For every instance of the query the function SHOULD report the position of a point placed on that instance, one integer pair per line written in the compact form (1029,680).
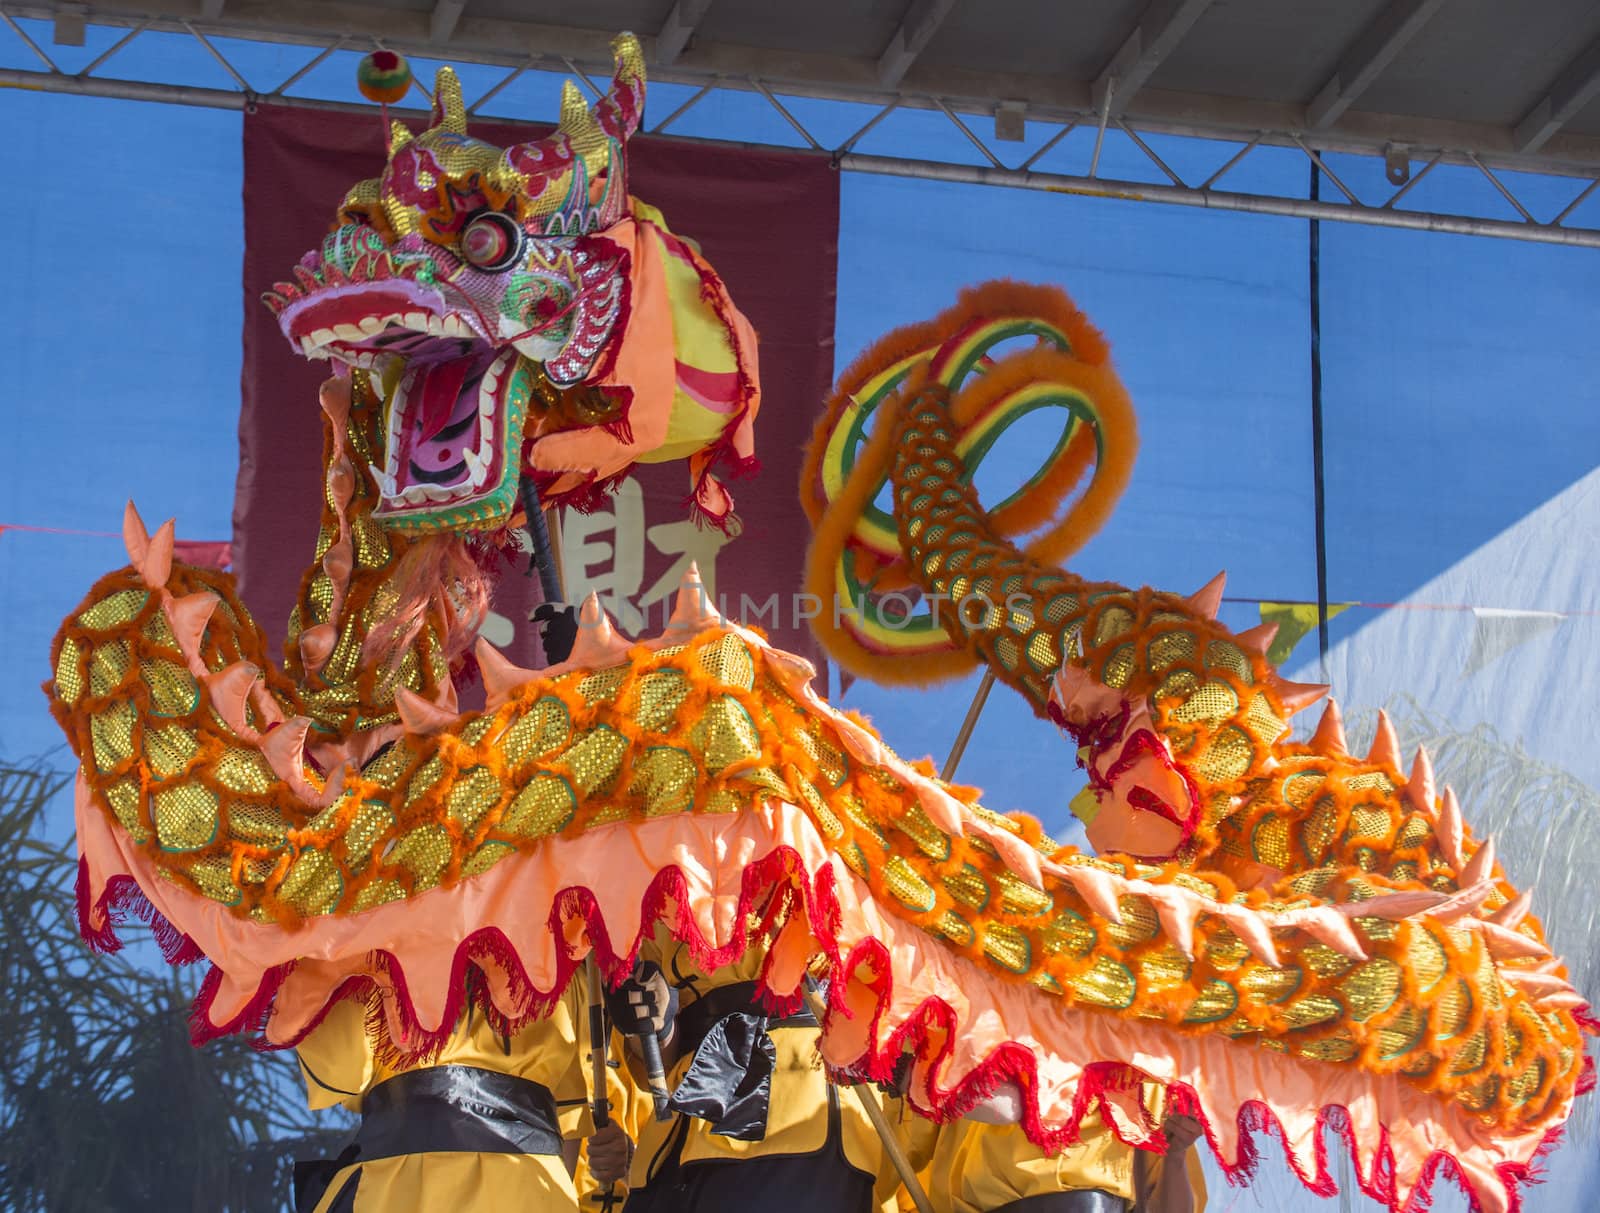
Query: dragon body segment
(1272,929)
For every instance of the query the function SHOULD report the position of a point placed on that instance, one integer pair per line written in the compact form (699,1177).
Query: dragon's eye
(492,241)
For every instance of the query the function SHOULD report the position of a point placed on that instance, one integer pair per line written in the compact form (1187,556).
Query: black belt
(729,1079)
(441,1109)
(1083,1200)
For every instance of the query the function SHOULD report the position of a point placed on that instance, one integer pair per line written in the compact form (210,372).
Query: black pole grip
(650,1050)
(598,1038)
(539,533)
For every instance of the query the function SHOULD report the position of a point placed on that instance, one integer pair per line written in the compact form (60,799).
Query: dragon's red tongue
(436,390)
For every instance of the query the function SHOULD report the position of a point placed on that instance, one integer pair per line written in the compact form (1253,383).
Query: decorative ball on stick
(384,77)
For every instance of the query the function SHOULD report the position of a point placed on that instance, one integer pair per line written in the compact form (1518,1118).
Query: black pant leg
(787,1183)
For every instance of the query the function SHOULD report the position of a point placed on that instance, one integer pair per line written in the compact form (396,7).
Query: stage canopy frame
(1501,89)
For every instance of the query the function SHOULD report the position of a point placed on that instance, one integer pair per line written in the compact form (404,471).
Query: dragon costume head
(495,298)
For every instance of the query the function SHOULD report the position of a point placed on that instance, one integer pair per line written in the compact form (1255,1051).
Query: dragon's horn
(595,137)
(577,123)
(620,113)
(617,114)
(399,136)
(449,112)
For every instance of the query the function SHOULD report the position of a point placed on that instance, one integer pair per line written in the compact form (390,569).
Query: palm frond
(103,1101)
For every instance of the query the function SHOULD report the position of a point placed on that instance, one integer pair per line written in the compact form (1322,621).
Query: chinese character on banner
(604,553)
(633,551)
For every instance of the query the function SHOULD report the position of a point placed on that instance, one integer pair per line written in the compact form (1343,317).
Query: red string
(57,530)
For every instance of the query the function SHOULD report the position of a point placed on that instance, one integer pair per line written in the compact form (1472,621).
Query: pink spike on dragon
(1274,930)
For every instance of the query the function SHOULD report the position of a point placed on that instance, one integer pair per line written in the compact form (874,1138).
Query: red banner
(768,221)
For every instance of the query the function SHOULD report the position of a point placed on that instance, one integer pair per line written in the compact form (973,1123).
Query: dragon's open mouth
(441,444)
(453,402)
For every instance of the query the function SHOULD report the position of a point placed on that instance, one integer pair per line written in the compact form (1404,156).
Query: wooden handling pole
(979,698)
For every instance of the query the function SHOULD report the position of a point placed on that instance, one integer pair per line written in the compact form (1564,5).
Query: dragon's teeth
(371,325)
(323,336)
(349,332)
(490,386)
(476,467)
(417,321)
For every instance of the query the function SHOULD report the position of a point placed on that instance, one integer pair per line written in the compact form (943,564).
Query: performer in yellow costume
(493,1121)
(975,1166)
(758,1124)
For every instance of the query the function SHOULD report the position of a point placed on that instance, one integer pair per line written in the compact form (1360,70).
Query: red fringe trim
(122,902)
(703,518)
(587,498)
(1586,1080)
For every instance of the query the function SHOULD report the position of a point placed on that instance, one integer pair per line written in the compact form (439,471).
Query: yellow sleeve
(568,1076)
(1197,1178)
(631,1105)
(336,1061)
(916,1136)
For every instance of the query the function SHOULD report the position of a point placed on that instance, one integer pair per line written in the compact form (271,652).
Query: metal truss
(1110,117)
